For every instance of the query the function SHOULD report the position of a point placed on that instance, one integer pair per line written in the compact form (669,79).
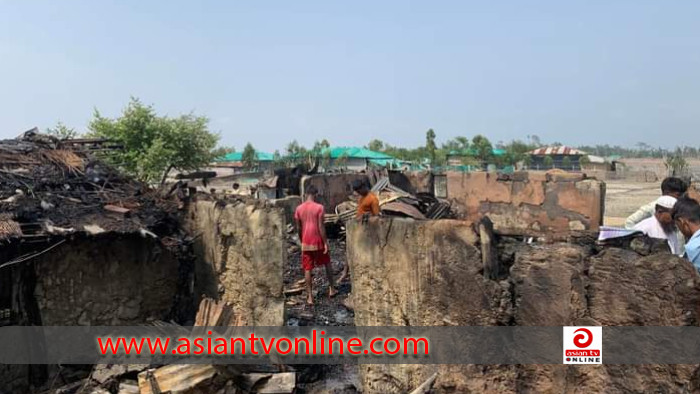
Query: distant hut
(562,157)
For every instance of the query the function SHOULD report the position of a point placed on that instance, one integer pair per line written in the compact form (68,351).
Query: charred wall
(528,203)
(430,273)
(106,280)
(241,250)
(412,181)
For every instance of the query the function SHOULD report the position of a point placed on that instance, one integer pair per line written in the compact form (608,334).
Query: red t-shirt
(309,213)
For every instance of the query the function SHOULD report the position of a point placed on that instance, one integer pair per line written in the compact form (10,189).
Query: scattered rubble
(67,218)
(394,201)
(49,186)
(395,282)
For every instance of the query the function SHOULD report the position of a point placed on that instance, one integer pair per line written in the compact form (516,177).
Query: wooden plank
(173,378)
(265,383)
(214,313)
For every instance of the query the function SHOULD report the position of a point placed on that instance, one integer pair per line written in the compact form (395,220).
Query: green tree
(566,163)
(534,140)
(321,153)
(459,144)
(430,145)
(62,131)
(463,143)
(676,163)
(321,145)
(248,157)
(516,152)
(222,151)
(153,145)
(482,148)
(295,153)
(342,160)
(277,159)
(376,145)
(584,161)
(548,162)
(295,149)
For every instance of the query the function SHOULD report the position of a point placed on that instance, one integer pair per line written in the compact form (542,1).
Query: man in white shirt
(662,226)
(671,186)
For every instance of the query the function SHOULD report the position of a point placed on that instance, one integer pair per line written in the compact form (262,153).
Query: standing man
(314,244)
(674,187)
(686,214)
(368,204)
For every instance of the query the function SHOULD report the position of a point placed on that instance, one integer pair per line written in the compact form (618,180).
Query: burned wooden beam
(197,175)
(489,253)
(177,377)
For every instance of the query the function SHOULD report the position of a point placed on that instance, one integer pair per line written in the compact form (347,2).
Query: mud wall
(430,273)
(289,204)
(107,279)
(528,203)
(241,250)
(333,188)
(412,181)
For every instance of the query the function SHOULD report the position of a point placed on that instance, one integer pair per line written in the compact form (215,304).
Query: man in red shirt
(314,244)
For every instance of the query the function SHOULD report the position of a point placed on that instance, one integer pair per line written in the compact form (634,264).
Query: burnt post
(489,254)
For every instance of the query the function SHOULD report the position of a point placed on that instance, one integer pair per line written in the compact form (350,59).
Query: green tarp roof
(238,156)
(387,162)
(472,152)
(354,153)
(332,152)
(350,153)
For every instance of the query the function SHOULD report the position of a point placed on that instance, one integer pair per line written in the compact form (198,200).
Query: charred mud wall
(333,188)
(427,273)
(241,250)
(528,203)
(412,181)
(106,280)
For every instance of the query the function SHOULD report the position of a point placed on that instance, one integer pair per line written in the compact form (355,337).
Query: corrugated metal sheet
(403,208)
(557,150)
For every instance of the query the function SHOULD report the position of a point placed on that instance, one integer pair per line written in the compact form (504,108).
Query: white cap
(666,202)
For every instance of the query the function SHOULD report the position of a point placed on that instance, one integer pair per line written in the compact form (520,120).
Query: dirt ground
(623,198)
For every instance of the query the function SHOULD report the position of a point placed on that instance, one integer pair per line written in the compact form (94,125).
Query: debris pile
(394,201)
(51,186)
(189,378)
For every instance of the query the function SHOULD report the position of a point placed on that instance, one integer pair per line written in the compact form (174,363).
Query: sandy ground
(623,198)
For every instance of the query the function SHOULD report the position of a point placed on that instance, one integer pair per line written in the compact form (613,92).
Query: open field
(622,198)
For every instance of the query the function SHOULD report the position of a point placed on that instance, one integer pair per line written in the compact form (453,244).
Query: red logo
(580,338)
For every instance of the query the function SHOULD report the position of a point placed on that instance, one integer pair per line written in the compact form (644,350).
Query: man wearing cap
(671,186)
(662,226)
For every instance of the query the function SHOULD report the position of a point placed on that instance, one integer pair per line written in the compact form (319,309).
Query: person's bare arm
(322,230)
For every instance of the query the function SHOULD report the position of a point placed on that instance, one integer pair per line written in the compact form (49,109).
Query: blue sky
(577,72)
